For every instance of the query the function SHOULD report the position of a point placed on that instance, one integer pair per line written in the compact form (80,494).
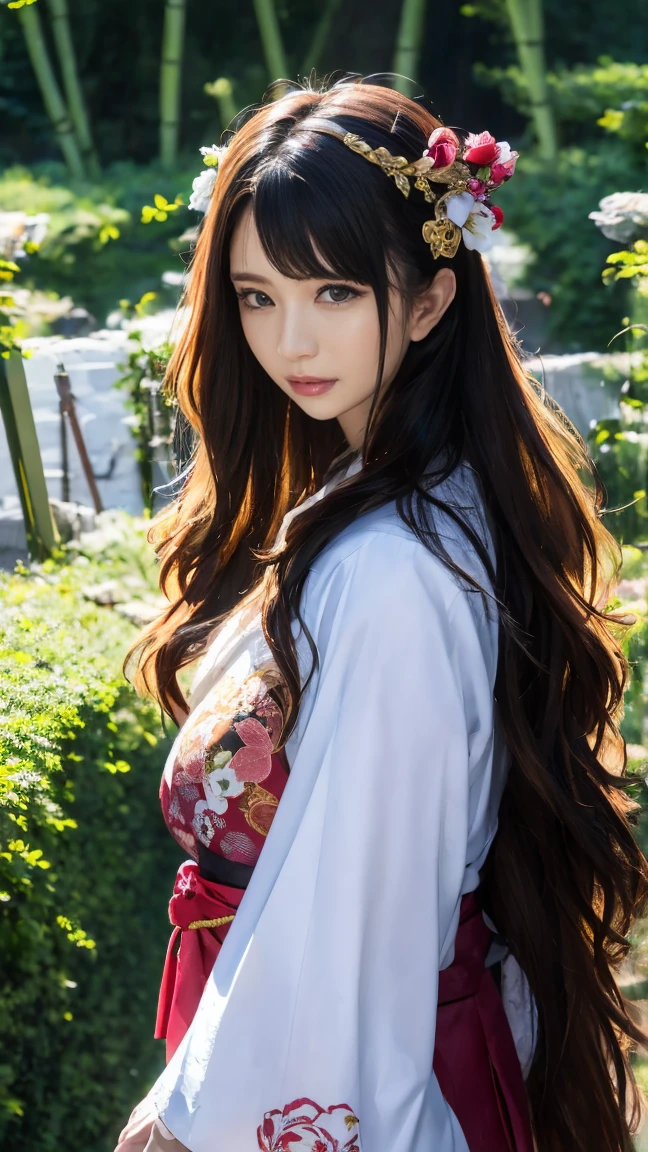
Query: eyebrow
(249,276)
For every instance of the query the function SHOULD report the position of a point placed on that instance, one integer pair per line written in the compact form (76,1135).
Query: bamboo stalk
(527,24)
(270,34)
(409,42)
(50,91)
(62,33)
(16,410)
(312,58)
(173,37)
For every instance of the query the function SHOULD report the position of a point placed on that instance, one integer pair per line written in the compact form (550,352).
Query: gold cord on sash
(211,923)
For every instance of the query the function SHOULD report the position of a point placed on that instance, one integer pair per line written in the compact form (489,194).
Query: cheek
(397,340)
(354,339)
(256,332)
(396,345)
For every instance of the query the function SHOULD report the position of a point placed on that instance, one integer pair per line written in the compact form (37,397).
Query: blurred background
(103,108)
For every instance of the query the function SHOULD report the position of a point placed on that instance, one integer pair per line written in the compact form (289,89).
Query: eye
(339,293)
(261,300)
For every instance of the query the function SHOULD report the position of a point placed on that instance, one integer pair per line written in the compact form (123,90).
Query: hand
(162,1140)
(135,1136)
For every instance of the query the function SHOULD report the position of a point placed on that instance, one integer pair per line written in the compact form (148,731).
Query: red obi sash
(475,1059)
(202,912)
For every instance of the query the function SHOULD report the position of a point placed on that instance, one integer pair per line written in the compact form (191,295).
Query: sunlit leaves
(108,232)
(117,766)
(629,264)
(8,269)
(76,935)
(141,308)
(160,209)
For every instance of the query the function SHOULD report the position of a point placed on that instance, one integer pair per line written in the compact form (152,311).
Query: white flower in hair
(203,185)
(477,222)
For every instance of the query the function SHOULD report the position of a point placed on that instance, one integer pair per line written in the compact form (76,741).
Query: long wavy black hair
(565,877)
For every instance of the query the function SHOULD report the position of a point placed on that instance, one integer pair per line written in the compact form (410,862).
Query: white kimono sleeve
(319,1019)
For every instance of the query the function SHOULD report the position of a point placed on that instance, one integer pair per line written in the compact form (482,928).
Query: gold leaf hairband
(441,234)
(470,169)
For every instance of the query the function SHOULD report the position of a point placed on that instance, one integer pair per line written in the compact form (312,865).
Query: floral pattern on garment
(334,1129)
(212,790)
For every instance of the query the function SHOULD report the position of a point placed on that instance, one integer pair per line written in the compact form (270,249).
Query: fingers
(135,1136)
(162,1140)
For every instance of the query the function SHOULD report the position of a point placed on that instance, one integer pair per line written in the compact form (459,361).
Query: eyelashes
(352,293)
(246,294)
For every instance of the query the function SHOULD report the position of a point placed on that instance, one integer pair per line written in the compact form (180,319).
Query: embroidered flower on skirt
(334,1129)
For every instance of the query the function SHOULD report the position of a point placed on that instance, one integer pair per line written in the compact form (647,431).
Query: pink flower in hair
(442,147)
(481,149)
(504,166)
(477,188)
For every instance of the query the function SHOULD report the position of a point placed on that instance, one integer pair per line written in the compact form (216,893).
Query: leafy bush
(549,211)
(97,249)
(619,445)
(153,414)
(630,597)
(601,112)
(584,96)
(86,864)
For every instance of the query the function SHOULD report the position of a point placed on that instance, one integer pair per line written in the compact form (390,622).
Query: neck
(354,422)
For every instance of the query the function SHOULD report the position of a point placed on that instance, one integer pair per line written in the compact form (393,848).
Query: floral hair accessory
(471,169)
(203,185)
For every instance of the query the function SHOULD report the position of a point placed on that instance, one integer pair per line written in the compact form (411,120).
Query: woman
(400,777)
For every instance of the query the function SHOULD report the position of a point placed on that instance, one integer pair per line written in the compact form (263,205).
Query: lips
(310,385)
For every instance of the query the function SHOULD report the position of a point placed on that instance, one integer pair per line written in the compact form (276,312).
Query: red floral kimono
(206,809)
(332,865)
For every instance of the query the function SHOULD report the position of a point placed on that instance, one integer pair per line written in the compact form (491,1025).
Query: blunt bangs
(317,213)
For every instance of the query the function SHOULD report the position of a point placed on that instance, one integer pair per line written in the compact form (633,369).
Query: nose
(297,339)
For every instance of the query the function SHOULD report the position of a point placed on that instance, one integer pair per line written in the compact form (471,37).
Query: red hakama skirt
(475,1059)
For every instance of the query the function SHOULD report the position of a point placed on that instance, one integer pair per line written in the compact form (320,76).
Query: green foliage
(550,213)
(493,10)
(630,264)
(97,249)
(630,598)
(86,864)
(23,312)
(602,113)
(579,94)
(575,32)
(152,422)
(619,446)
(8,330)
(636,647)
(610,93)
(78,216)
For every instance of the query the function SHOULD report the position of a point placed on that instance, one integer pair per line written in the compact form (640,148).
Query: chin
(319,407)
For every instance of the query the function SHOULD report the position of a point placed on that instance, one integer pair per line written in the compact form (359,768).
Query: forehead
(245,246)
(247,253)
